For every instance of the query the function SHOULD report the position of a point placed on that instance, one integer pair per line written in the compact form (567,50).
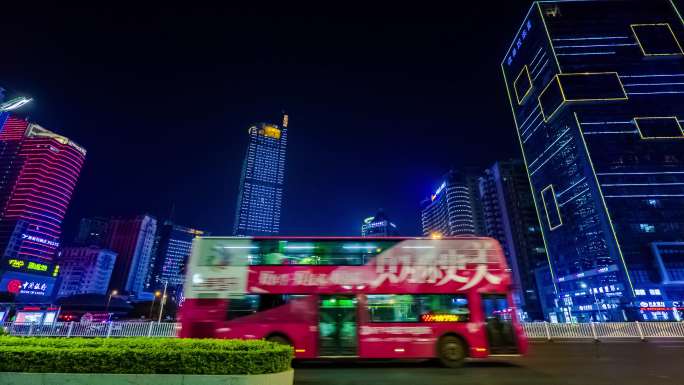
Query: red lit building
(38,174)
(133,240)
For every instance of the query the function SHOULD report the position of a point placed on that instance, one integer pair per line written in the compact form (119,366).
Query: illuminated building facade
(133,240)
(38,174)
(85,270)
(378,226)
(454,208)
(172,250)
(510,217)
(597,93)
(91,231)
(261,183)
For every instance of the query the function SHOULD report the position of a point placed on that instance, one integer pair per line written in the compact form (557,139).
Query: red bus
(355,297)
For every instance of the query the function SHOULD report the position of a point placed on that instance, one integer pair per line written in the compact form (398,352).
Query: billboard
(28,287)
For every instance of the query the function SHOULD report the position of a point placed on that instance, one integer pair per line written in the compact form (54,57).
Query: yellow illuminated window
(522,85)
(271,132)
(659,127)
(656,39)
(553,215)
(580,87)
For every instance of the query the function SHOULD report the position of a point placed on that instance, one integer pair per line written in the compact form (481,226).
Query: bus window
(418,308)
(253,303)
(240,307)
(303,252)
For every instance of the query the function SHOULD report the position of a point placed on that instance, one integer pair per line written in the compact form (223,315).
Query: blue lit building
(261,184)
(510,217)
(597,93)
(454,208)
(172,249)
(378,225)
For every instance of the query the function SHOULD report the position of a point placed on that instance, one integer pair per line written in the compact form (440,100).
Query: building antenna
(285,119)
(172,212)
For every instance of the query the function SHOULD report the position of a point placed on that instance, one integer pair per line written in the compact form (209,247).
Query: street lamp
(114,292)
(156,294)
(163,301)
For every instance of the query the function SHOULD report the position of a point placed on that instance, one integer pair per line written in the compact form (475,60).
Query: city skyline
(344,95)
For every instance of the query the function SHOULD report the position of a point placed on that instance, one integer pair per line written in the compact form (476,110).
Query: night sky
(382,101)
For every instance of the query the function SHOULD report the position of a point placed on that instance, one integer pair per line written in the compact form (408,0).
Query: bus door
(498,318)
(337,325)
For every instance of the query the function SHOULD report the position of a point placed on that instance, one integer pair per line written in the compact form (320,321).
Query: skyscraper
(261,184)
(454,208)
(85,270)
(172,250)
(38,174)
(378,225)
(510,217)
(91,231)
(596,89)
(132,239)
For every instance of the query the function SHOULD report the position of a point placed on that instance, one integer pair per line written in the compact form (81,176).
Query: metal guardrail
(603,330)
(105,329)
(533,330)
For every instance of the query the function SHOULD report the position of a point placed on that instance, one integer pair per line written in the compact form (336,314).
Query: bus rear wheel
(451,351)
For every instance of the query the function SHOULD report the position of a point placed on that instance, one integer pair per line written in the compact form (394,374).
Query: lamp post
(112,293)
(163,301)
(156,294)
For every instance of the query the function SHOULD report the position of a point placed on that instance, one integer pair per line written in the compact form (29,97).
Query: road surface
(559,363)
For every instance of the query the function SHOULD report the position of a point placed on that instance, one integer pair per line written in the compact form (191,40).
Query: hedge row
(142,355)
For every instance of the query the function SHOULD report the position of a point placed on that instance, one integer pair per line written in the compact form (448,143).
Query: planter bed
(142,360)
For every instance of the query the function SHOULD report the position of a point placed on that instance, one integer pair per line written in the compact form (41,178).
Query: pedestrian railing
(94,329)
(533,330)
(603,330)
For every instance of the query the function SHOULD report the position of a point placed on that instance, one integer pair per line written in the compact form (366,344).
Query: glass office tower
(510,218)
(261,184)
(597,92)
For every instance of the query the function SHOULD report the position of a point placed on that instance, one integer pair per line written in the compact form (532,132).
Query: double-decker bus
(355,297)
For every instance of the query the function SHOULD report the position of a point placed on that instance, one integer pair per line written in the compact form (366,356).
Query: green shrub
(142,355)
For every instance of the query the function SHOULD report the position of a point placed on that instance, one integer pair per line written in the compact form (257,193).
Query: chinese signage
(439,190)
(27,287)
(413,265)
(220,270)
(32,267)
(439,318)
(525,30)
(40,240)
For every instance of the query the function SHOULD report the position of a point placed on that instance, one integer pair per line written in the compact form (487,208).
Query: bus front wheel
(278,339)
(451,351)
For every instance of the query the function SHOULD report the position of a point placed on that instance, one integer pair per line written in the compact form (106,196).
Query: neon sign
(517,44)
(27,265)
(439,190)
(17,286)
(37,266)
(16,263)
(40,240)
(439,317)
